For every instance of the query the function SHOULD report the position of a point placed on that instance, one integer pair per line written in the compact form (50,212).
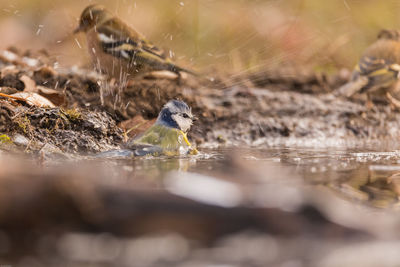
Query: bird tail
(352,87)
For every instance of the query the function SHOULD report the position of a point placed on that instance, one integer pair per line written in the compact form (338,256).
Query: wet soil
(289,106)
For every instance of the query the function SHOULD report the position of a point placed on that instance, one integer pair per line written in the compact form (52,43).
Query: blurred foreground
(212,209)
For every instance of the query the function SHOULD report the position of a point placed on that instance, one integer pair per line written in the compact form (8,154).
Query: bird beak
(194,118)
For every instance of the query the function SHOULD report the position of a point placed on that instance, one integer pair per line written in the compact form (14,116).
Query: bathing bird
(168,135)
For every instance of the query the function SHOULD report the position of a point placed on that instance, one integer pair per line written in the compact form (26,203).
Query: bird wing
(143,150)
(152,136)
(370,74)
(379,67)
(120,40)
(381,72)
(147,143)
(373,66)
(380,63)
(159,139)
(159,135)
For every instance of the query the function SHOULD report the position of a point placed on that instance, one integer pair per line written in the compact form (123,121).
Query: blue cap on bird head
(176,114)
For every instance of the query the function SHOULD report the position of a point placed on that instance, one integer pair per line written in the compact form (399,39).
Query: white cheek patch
(183,123)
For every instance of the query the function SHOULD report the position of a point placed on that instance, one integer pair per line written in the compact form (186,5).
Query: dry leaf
(56,97)
(34,99)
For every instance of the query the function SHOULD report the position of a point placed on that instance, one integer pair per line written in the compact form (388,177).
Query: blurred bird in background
(167,136)
(118,50)
(378,69)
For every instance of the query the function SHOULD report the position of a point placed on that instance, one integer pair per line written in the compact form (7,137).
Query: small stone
(20,140)
(50,149)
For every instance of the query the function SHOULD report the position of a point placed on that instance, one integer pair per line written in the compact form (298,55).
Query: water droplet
(77,42)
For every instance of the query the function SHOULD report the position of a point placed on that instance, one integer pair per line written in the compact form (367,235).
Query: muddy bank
(289,106)
(59,130)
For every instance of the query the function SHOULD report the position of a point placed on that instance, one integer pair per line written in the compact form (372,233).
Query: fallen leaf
(56,97)
(34,99)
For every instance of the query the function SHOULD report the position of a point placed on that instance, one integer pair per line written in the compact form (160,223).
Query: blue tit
(168,135)
(117,49)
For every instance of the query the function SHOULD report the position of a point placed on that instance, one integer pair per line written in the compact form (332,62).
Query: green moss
(5,139)
(221,139)
(70,114)
(23,123)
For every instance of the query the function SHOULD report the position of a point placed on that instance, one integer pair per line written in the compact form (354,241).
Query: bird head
(389,34)
(176,114)
(91,16)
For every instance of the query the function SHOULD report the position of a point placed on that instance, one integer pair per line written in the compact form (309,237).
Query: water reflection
(239,207)
(368,177)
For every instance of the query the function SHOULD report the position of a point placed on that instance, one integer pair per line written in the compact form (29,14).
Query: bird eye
(186,116)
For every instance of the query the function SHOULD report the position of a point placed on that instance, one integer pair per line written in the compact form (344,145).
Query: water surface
(360,176)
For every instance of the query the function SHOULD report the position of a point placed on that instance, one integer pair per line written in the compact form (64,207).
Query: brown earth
(289,106)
